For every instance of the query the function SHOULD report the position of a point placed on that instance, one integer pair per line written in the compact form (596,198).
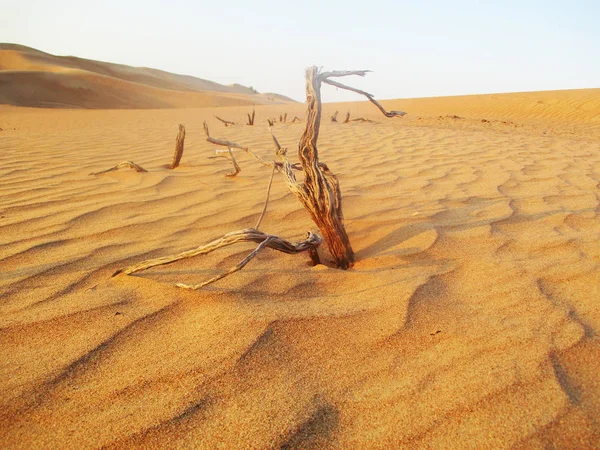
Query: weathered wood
(280,117)
(251,118)
(347,117)
(334,117)
(248,235)
(178,147)
(226,122)
(129,164)
(271,122)
(236,167)
(285,118)
(296,119)
(362,119)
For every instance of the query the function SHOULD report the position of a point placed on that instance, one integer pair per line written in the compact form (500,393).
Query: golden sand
(469,321)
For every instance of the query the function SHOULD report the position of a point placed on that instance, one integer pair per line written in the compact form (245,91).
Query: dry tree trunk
(271,122)
(320,192)
(280,117)
(129,164)
(251,118)
(178,147)
(285,118)
(334,117)
(347,117)
(226,122)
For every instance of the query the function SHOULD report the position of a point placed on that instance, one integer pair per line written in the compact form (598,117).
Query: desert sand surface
(470,319)
(30,77)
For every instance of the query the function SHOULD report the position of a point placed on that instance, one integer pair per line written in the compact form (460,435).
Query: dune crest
(29,77)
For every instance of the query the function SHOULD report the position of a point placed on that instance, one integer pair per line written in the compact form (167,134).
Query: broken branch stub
(347,117)
(178,147)
(334,117)
(226,122)
(251,118)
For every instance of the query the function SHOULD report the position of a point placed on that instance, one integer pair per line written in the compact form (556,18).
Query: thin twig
(234,269)
(267,199)
(129,164)
(236,167)
(366,94)
(226,122)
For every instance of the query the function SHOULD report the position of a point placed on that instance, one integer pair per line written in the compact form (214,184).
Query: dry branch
(334,117)
(129,164)
(358,91)
(236,167)
(229,144)
(280,117)
(296,119)
(312,241)
(251,118)
(285,118)
(362,119)
(271,122)
(178,147)
(347,117)
(226,122)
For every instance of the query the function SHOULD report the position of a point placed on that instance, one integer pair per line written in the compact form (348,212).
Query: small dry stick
(296,118)
(281,117)
(267,199)
(347,117)
(236,167)
(271,122)
(362,119)
(129,164)
(334,117)
(285,118)
(229,144)
(251,118)
(226,122)
(248,235)
(178,147)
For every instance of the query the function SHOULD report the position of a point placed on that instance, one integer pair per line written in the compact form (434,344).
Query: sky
(415,48)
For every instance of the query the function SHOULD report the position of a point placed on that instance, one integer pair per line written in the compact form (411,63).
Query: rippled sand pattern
(469,321)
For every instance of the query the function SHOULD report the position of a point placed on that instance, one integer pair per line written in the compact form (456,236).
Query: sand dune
(29,77)
(469,321)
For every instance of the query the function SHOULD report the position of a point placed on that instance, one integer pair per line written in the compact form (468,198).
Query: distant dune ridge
(30,77)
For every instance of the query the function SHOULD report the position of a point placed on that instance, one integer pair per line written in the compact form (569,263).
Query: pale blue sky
(415,48)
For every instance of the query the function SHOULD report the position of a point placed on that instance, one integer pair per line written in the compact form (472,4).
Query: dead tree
(251,118)
(347,117)
(226,122)
(334,117)
(319,192)
(178,147)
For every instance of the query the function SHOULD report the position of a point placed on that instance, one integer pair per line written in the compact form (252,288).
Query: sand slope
(29,77)
(470,320)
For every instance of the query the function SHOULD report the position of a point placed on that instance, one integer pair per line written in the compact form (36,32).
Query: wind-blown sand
(469,321)
(29,77)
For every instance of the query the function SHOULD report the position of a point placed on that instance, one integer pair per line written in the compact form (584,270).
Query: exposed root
(129,164)
(312,241)
(334,117)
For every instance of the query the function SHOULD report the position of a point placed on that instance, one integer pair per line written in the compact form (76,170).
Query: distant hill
(29,77)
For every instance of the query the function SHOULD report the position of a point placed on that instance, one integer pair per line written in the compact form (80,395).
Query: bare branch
(266,200)
(248,235)
(343,73)
(236,167)
(230,145)
(226,122)
(129,164)
(366,94)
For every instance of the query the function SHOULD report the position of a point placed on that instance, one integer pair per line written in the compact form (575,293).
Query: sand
(29,77)
(469,321)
